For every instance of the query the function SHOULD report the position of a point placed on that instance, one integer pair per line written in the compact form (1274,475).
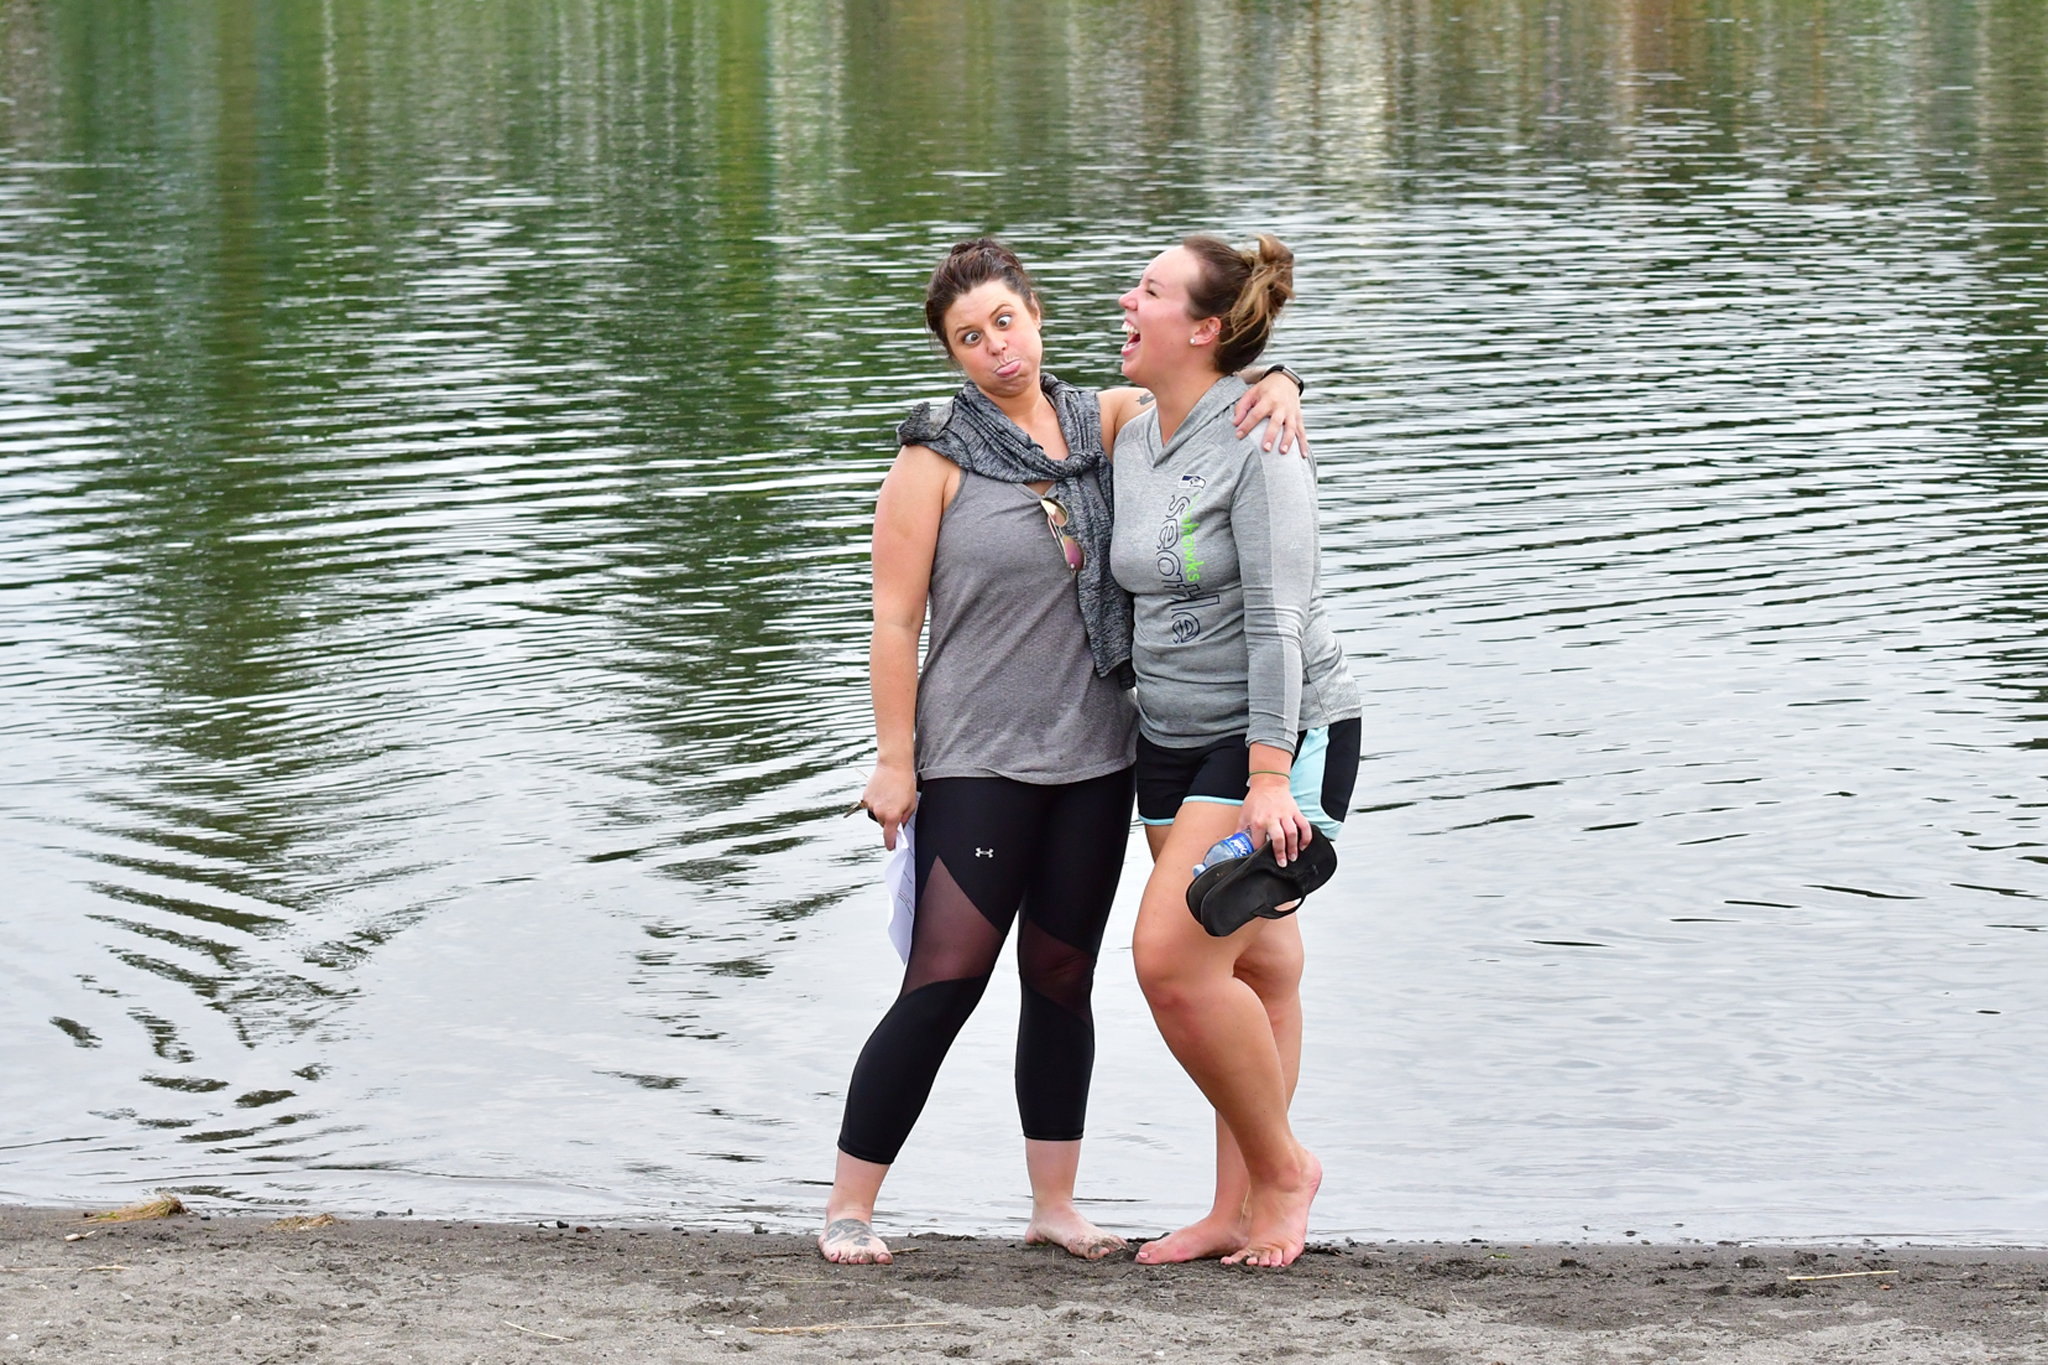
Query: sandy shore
(237,1289)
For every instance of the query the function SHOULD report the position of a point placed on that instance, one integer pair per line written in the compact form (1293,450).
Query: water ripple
(436,455)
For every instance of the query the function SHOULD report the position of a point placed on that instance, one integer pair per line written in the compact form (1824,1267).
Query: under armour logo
(984,853)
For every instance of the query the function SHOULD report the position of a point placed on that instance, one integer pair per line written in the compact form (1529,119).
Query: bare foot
(852,1241)
(1065,1227)
(1214,1236)
(1279,1219)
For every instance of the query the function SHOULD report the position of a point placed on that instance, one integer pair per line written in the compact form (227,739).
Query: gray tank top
(1008,688)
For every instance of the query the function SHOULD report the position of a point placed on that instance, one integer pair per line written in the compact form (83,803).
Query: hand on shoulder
(1270,411)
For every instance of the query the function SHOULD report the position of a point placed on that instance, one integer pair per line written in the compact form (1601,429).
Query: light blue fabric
(1305,780)
(1185,800)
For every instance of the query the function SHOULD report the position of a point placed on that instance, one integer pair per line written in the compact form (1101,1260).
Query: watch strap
(1300,385)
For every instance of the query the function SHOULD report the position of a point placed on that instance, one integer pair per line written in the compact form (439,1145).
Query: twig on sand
(106,1267)
(530,1332)
(823,1327)
(163,1206)
(1843,1275)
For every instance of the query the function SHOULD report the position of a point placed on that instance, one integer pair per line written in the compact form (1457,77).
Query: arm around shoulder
(1274,398)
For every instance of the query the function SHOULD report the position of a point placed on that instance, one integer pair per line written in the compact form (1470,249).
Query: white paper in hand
(899,879)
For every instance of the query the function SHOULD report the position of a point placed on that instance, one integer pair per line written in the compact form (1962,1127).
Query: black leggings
(986,848)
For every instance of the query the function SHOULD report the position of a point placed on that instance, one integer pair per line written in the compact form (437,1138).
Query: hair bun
(1247,289)
(1273,270)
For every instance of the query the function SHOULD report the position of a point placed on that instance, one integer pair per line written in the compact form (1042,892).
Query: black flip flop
(1232,894)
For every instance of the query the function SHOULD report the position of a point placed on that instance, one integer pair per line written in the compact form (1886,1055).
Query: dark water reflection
(436,442)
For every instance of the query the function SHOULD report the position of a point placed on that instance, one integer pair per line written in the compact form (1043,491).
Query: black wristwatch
(1300,385)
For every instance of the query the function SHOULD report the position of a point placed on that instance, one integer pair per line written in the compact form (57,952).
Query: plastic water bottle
(1238,845)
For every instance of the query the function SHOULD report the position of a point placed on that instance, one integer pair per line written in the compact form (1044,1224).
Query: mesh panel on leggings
(950,940)
(1058,971)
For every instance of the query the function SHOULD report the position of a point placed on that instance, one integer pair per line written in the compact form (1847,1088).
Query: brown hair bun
(1246,289)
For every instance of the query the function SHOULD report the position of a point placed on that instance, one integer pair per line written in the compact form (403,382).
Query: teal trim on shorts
(1305,780)
(1185,800)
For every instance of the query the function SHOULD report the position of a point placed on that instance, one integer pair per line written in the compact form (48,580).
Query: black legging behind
(986,848)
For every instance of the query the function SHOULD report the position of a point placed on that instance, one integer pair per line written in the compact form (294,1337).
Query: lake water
(437,441)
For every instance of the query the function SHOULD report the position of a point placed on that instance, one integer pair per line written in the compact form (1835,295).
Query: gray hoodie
(1216,542)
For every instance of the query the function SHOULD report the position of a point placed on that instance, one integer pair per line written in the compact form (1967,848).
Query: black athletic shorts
(1324,772)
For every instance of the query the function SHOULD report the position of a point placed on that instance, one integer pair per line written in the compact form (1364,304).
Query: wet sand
(232,1289)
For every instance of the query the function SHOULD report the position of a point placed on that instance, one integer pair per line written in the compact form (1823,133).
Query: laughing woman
(1248,718)
(1014,747)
